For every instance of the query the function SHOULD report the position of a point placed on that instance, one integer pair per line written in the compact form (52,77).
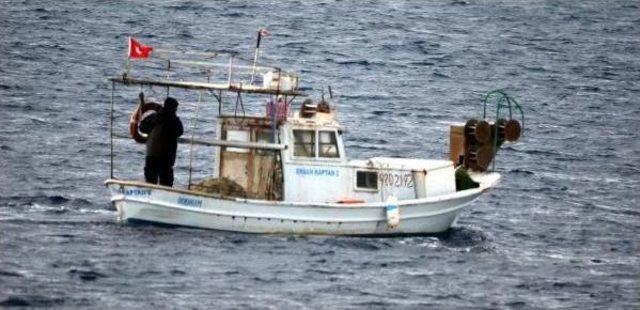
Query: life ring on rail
(141,112)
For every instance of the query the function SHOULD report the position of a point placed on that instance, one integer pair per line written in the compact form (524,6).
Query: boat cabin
(303,159)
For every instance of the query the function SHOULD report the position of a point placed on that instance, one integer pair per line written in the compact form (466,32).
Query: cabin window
(264,136)
(304,143)
(238,135)
(367,180)
(328,144)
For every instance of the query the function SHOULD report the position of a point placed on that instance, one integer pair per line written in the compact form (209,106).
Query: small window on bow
(367,180)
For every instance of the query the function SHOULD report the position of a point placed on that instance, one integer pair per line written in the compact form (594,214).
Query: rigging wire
(193,133)
(113,87)
(239,102)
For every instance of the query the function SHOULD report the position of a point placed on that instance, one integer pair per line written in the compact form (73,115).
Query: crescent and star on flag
(138,50)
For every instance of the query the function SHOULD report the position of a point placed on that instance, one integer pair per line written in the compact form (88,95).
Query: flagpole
(255,57)
(136,50)
(128,65)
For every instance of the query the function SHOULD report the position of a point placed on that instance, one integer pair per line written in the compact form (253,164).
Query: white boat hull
(147,202)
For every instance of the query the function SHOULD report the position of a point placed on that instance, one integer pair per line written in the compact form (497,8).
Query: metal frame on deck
(230,87)
(216,90)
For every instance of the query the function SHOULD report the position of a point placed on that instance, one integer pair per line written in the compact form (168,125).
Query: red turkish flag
(139,50)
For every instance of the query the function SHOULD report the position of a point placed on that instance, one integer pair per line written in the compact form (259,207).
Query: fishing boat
(290,167)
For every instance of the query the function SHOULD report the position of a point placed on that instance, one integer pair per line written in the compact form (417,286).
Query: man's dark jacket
(165,128)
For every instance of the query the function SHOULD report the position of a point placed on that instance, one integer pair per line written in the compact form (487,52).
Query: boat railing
(224,143)
(215,71)
(231,87)
(208,73)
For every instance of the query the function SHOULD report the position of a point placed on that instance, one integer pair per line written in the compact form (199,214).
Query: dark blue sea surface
(560,231)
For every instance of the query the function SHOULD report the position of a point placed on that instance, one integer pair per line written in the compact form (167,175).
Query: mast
(262,32)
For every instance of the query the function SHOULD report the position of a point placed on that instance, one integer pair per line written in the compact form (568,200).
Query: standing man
(165,128)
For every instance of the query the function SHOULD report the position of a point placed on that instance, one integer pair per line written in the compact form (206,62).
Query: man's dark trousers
(155,169)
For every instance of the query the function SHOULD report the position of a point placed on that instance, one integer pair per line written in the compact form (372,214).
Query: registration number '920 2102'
(392,179)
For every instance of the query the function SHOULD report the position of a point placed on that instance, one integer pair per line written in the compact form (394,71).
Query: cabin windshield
(328,144)
(304,143)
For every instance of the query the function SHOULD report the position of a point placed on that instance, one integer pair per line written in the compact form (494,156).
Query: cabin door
(257,171)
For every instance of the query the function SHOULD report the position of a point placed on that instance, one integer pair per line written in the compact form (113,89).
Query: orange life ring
(142,111)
